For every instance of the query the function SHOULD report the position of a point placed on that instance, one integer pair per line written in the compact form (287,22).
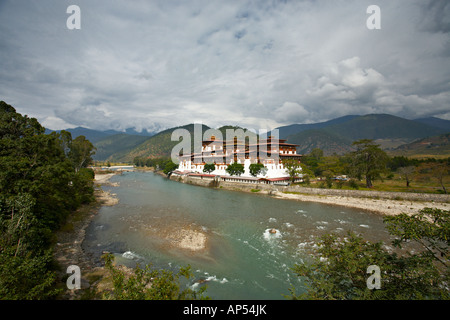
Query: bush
(353,184)
(149,284)
(235,169)
(340,269)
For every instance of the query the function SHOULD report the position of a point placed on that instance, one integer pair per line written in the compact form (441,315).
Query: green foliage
(40,184)
(353,184)
(158,146)
(27,277)
(114,146)
(235,169)
(169,167)
(293,168)
(397,162)
(157,163)
(430,227)
(257,168)
(150,284)
(209,167)
(165,164)
(368,161)
(81,152)
(341,271)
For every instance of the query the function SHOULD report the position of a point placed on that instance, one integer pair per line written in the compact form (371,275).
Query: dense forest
(43,179)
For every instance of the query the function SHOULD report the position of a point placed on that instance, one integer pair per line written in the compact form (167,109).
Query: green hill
(116,143)
(333,136)
(159,145)
(318,138)
(430,146)
(382,126)
(436,122)
(337,135)
(286,131)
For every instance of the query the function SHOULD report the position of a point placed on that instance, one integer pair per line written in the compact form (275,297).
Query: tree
(235,169)
(39,188)
(340,269)
(368,160)
(81,152)
(293,168)
(317,153)
(430,228)
(169,167)
(209,167)
(257,168)
(435,169)
(149,284)
(407,172)
(440,171)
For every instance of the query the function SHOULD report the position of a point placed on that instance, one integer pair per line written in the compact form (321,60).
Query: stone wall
(248,187)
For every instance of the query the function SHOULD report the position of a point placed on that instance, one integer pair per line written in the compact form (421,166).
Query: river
(242,258)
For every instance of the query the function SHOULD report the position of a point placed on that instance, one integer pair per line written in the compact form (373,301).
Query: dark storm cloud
(260,64)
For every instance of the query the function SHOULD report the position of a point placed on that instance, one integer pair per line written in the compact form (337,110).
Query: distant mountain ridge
(337,135)
(333,136)
(430,146)
(97,135)
(288,130)
(436,122)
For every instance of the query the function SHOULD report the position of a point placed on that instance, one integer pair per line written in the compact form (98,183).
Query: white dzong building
(270,152)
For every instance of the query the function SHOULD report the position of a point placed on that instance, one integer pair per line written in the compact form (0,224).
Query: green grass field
(395,184)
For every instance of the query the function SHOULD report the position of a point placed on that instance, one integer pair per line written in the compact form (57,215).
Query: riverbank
(68,250)
(95,279)
(381,206)
(385,203)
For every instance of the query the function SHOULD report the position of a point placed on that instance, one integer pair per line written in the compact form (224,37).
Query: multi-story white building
(270,152)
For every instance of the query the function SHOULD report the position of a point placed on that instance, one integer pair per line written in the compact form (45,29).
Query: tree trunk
(368,182)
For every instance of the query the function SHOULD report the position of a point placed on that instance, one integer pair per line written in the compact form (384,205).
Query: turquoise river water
(242,259)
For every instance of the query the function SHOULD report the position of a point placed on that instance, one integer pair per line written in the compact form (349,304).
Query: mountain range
(394,134)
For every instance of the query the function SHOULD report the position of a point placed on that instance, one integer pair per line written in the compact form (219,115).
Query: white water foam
(270,236)
(131,255)
(209,278)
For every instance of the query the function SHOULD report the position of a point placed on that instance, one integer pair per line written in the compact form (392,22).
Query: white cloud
(290,110)
(165,63)
(55,123)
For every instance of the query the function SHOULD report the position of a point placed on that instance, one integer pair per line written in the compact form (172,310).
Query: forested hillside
(43,179)
(336,136)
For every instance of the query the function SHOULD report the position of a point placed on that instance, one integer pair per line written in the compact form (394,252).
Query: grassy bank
(394,184)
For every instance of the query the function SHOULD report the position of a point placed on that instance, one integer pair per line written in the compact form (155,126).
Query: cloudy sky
(259,64)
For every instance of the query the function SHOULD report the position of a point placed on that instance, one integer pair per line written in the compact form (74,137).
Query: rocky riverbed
(68,250)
